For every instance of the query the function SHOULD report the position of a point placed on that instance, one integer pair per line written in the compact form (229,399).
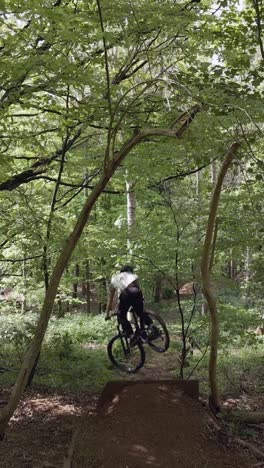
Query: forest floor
(151,425)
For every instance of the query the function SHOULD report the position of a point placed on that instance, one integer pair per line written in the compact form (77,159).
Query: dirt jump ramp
(146,424)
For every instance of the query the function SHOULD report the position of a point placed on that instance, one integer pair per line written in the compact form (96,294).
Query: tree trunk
(131,212)
(157,289)
(76,282)
(131,204)
(208,289)
(204,307)
(69,245)
(24,291)
(213,173)
(102,295)
(87,287)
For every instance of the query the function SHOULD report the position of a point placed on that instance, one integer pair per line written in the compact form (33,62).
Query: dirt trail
(157,366)
(152,425)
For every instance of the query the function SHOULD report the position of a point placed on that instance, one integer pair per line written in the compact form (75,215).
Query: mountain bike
(130,358)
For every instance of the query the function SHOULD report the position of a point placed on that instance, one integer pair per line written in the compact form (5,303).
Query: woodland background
(172,86)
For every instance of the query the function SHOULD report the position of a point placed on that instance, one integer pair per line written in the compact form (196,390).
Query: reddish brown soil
(153,425)
(150,426)
(41,430)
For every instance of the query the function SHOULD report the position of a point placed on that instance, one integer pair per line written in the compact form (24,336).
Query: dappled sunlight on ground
(152,424)
(41,429)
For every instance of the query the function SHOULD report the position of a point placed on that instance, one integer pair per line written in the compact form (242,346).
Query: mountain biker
(130,295)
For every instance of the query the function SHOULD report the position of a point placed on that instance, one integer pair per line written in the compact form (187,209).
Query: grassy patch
(238,370)
(66,360)
(79,369)
(74,354)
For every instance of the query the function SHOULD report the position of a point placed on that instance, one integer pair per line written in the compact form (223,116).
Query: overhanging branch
(37,168)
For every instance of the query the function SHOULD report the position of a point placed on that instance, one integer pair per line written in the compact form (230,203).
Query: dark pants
(132,297)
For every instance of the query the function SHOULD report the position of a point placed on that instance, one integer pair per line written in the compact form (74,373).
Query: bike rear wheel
(123,357)
(158,330)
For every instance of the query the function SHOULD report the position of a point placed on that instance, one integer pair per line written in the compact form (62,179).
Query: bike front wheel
(123,357)
(158,338)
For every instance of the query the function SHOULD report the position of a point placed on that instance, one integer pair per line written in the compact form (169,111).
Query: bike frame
(123,338)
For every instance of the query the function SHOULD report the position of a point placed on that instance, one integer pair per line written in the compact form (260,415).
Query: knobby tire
(158,346)
(136,350)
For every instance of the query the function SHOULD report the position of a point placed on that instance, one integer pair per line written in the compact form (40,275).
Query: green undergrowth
(239,370)
(241,353)
(77,370)
(73,354)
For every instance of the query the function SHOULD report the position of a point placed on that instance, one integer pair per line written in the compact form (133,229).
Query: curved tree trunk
(206,265)
(109,170)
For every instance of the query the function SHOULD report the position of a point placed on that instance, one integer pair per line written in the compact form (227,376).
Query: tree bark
(66,253)
(76,282)
(131,212)
(131,204)
(87,287)
(157,289)
(207,285)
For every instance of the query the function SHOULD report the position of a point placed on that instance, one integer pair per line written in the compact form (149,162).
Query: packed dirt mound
(152,425)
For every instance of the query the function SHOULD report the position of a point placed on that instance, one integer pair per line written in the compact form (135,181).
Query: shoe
(133,339)
(153,332)
(144,337)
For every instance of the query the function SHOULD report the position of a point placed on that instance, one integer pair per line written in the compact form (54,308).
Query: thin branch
(83,185)
(4,243)
(124,75)
(37,168)
(185,174)
(197,364)
(107,155)
(77,186)
(71,198)
(19,260)
(124,113)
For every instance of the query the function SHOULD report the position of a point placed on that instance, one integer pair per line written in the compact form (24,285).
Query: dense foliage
(80,79)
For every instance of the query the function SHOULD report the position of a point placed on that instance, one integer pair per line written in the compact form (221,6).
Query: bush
(80,328)
(65,361)
(17,330)
(167,293)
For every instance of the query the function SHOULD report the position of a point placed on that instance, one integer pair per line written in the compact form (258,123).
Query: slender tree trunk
(69,245)
(76,282)
(157,289)
(60,308)
(103,302)
(131,212)
(67,297)
(247,274)
(131,204)
(208,289)
(203,310)
(213,173)
(46,246)
(87,287)
(204,306)
(24,291)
